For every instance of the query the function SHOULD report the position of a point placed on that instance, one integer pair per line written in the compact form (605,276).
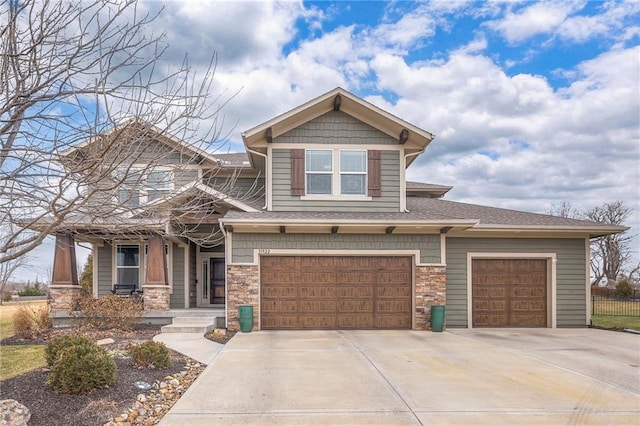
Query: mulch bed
(100,406)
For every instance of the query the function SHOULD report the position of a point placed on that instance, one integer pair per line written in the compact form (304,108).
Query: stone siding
(430,290)
(243,288)
(156,298)
(62,298)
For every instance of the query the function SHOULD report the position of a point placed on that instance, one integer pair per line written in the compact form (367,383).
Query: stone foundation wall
(243,288)
(62,297)
(156,298)
(430,290)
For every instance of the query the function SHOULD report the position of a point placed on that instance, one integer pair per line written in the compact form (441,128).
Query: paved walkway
(193,345)
(492,377)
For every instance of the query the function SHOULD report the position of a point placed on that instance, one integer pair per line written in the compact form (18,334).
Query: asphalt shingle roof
(427,209)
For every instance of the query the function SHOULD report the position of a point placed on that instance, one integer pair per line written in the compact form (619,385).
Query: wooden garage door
(509,292)
(322,292)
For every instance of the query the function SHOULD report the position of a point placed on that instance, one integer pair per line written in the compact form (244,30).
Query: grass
(630,308)
(15,360)
(611,322)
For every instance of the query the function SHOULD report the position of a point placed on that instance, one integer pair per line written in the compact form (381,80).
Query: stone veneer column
(430,290)
(64,281)
(157,293)
(243,282)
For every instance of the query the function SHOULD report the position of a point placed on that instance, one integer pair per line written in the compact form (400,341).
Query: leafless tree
(77,71)
(610,254)
(564,209)
(7,269)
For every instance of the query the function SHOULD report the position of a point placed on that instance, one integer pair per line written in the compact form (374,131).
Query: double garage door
(509,292)
(332,292)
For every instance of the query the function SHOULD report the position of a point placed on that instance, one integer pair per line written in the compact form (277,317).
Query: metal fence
(615,306)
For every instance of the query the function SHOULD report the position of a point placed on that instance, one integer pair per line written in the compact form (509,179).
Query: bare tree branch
(89,118)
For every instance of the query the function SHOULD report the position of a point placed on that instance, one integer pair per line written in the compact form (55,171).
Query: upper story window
(353,172)
(138,186)
(349,174)
(319,171)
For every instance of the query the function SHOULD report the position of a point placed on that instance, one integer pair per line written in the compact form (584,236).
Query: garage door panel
(318,306)
(338,292)
(360,306)
(359,321)
(319,291)
(509,292)
(392,321)
(317,321)
(359,292)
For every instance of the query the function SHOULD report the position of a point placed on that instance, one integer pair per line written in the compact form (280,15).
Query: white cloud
(536,18)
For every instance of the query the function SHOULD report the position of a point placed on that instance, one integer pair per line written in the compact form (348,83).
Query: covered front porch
(171,277)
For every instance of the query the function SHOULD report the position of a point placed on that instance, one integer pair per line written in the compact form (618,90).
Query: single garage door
(329,292)
(509,292)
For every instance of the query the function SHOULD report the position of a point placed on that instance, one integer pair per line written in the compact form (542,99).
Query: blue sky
(532,103)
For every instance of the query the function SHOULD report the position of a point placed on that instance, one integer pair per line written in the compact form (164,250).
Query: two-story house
(316,227)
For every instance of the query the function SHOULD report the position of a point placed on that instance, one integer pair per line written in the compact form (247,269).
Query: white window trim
(114,273)
(336,195)
(365,173)
(552,317)
(143,262)
(143,191)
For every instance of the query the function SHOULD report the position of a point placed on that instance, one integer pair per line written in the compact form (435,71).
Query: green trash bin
(246,318)
(437,318)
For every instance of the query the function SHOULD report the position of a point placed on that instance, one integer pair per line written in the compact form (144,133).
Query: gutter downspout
(406,210)
(226,259)
(267,177)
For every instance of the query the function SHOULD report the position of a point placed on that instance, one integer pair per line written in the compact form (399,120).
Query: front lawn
(15,360)
(616,322)
(18,359)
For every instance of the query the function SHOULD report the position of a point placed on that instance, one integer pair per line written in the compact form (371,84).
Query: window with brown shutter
(374,167)
(297,172)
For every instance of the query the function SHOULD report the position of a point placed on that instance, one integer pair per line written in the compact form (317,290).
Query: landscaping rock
(13,413)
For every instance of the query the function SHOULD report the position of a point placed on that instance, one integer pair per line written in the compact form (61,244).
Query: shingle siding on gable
(336,127)
(570,274)
(389,201)
(428,244)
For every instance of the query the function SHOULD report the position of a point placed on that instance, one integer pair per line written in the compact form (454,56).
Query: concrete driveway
(506,376)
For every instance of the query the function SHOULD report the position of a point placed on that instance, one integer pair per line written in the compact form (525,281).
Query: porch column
(156,285)
(64,281)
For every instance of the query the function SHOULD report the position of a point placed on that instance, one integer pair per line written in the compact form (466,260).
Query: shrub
(111,312)
(151,354)
(31,321)
(22,320)
(79,369)
(624,288)
(56,345)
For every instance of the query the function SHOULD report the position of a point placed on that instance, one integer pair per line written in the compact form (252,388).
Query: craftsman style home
(316,227)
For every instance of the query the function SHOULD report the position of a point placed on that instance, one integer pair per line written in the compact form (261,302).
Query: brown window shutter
(374,171)
(297,172)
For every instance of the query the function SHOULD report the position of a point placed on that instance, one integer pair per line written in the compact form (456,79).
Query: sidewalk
(193,345)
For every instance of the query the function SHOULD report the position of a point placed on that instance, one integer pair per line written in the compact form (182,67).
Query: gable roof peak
(412,137)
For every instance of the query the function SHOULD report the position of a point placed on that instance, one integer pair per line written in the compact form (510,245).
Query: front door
(211,281)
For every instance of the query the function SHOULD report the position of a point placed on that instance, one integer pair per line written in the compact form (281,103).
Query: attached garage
(509,292)
(336,292)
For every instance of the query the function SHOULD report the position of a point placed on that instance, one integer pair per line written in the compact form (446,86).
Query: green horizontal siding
(389,201)
(570,274)
(177,265)
(104,269)
(245,244)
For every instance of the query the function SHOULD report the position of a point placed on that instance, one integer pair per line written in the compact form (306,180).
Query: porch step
(190,325)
